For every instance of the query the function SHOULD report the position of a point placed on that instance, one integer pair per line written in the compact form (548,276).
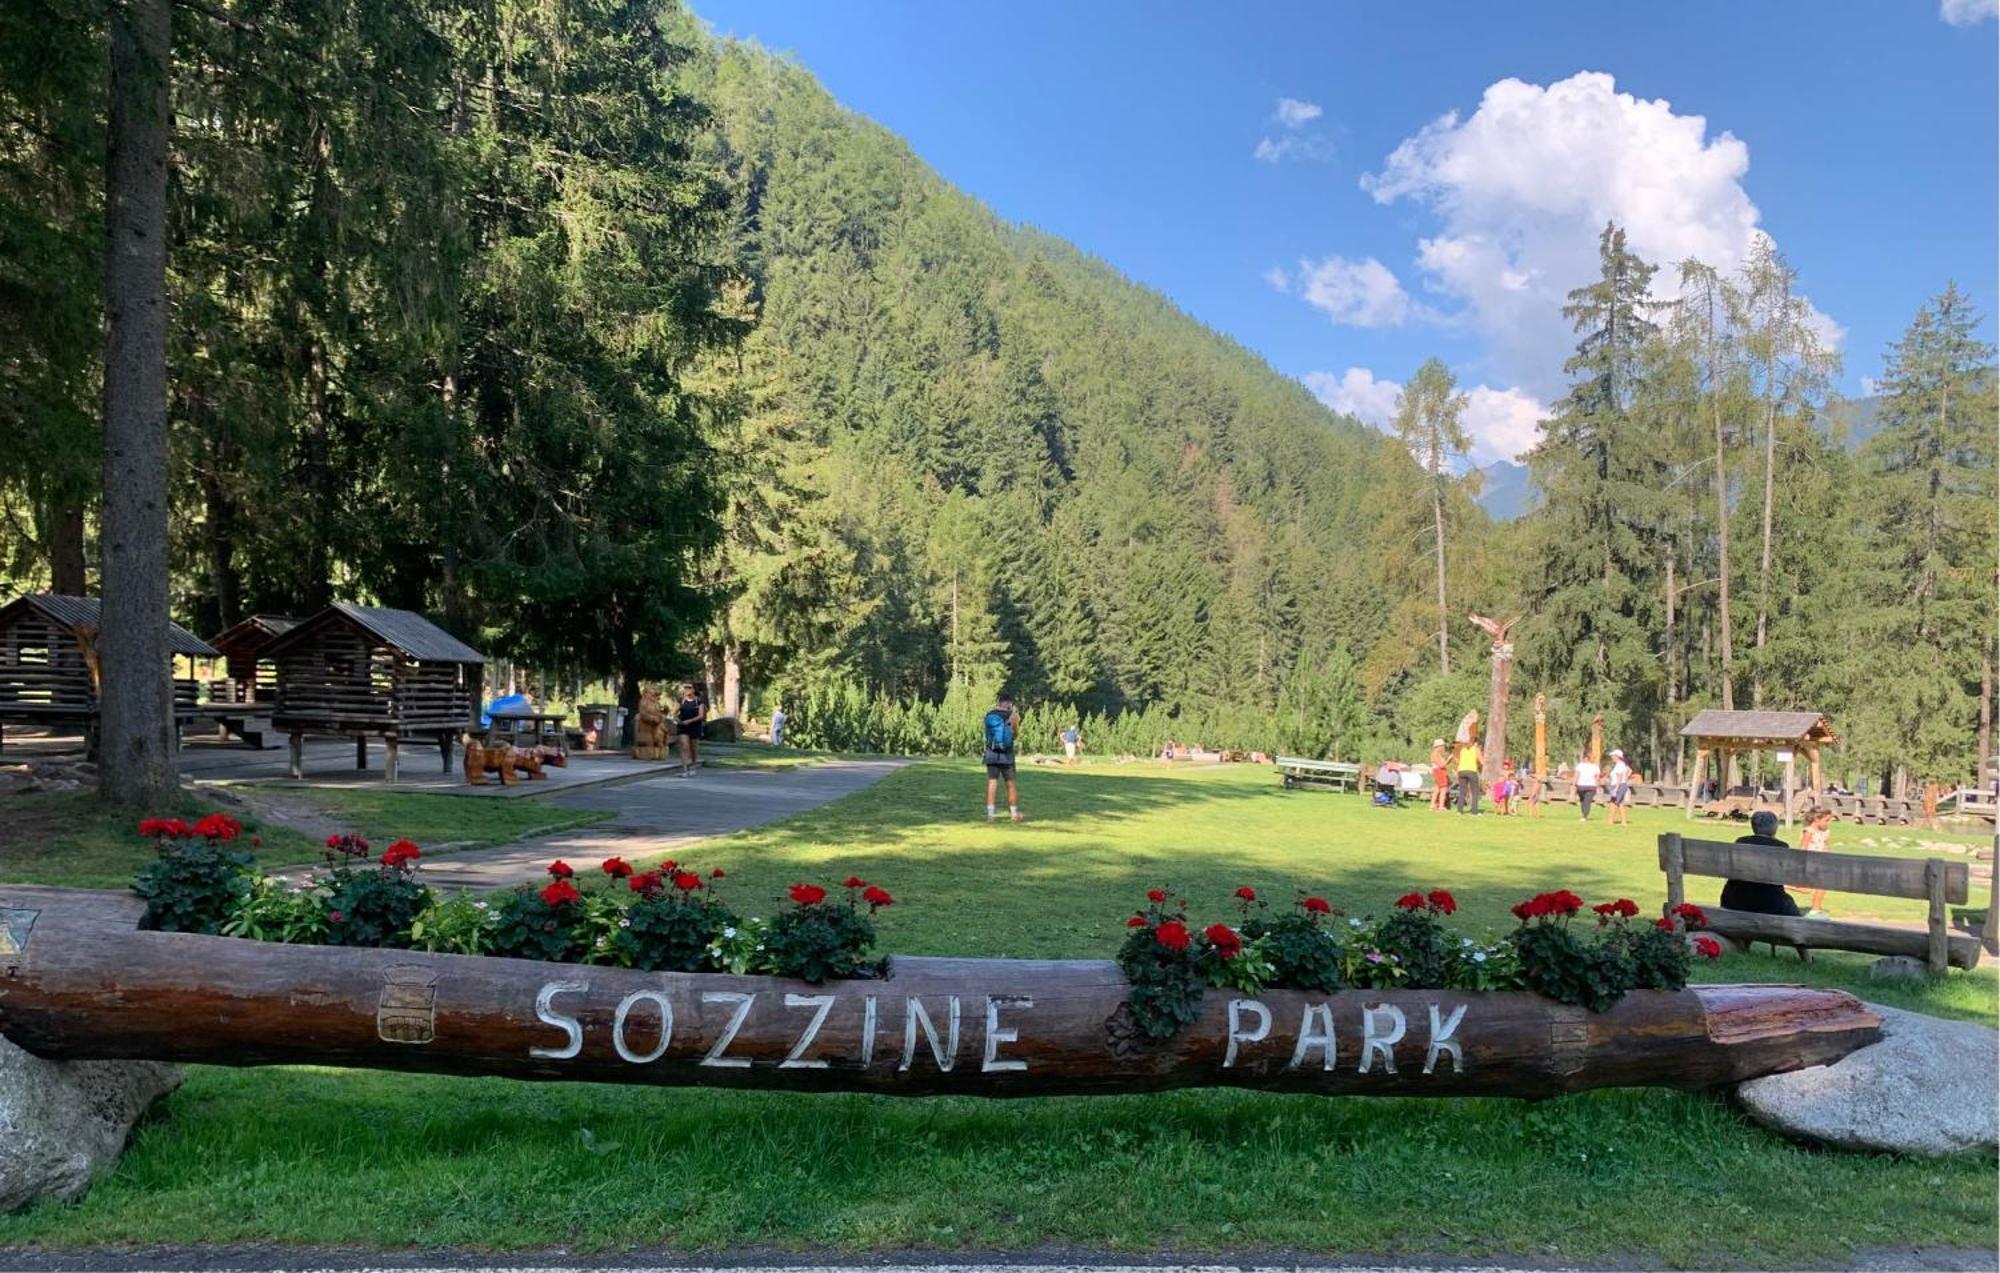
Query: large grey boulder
(1927,1088)
(65,1121)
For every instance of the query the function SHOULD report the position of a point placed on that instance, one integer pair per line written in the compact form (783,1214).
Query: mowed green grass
(72,838)
(329,1157)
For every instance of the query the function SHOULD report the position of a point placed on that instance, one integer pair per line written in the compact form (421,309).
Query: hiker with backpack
(1000,726)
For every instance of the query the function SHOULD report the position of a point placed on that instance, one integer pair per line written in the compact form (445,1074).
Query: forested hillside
(1048,476)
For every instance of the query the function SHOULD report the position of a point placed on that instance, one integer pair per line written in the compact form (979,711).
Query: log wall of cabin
(42,670)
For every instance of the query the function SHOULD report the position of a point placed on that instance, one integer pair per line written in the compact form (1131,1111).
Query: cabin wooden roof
(1759,727)
(254,631)
(408,632)
(81,614)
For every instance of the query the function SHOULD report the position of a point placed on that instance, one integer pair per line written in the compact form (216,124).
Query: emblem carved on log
(407,1010)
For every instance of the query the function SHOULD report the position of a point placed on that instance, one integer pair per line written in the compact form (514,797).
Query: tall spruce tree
(1430,423)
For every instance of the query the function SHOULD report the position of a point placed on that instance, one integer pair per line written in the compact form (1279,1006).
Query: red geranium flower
(1441,902)
(686,881)
(218,826)
(1691,913)
(1623,908)
(618,868)
(808,894)
(1227,942)
(1156,895)
(1317,906)
(1173,935)
(1564,902)
(1664,924)
(1410,902)
(716,874)
(400,852)
(1708,947)
(669,865)
(1137,921)
(560,893)
(877,897)
(1247,893)
(646,883)
(336,916)
(854,881)
(560,869)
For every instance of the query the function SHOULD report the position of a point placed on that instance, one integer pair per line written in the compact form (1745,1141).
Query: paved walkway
(658,814)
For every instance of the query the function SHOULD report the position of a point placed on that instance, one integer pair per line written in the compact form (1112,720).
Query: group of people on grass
(1456,784)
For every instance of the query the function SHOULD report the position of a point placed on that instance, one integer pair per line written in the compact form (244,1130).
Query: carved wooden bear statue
(649,728)
(481,760)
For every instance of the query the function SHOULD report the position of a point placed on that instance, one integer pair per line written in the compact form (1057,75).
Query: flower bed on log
(674,918)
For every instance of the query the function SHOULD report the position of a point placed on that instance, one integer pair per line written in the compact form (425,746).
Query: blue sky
(1372,231)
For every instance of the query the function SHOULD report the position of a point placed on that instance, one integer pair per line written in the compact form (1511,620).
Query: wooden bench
(1934,879)
(1337,775)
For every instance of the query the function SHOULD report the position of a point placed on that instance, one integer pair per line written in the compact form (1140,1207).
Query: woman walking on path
(688,719)
(1586,783)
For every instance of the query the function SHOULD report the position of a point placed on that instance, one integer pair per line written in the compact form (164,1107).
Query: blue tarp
(510,703)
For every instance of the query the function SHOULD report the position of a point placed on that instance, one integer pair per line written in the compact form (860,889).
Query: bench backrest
(1841,872)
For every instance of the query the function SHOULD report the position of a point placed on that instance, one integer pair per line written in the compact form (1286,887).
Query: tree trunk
(1764,557)
(67,567)
(135,709)
(1444,626)
(732,682)
(1985,713)
(221,529)
(1722,566)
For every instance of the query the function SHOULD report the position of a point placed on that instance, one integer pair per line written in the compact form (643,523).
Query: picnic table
(1339,775)
(528,729)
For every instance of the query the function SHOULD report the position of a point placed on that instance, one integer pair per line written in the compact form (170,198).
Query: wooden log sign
(79,979)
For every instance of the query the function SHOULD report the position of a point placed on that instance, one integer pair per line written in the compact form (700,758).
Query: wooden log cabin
(241,698)
(48,663)
(367,671)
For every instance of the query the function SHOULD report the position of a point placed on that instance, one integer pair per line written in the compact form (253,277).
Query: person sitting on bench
(1759,898)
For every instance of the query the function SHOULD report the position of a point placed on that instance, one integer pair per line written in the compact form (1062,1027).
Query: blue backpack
(999,733)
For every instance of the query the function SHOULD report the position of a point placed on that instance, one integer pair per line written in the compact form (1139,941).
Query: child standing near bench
(1817,838)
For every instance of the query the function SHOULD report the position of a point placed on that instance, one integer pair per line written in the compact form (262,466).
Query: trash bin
(607,719)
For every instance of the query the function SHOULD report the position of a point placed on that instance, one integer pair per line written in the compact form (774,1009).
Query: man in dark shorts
(1000,727)
(689,716)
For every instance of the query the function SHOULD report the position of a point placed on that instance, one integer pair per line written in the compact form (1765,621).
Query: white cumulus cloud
(1502,423)
(1523,185)
(1357,393)
(1361,293)
(1279,280)
(1293,113)
(1968,13)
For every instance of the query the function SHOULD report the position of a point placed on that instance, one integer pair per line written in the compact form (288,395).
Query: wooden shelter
(48,661)
(367,670)
(249,677)
(1723,734)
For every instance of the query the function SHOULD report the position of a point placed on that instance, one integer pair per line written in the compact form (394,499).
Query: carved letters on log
(86,983)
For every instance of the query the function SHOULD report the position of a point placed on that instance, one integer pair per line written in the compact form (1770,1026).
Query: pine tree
(1429,422)
(1926,606)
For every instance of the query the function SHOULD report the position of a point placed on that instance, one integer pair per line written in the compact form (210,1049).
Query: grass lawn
(72,838)
(326,1157)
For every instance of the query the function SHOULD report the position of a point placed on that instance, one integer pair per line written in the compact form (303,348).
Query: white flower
(1354,921)
(1479,958)
(480,905)
(729,932)
(1465,941)
(624,923)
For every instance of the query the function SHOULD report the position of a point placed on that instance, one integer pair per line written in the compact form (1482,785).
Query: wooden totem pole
(1542,736)
(1495,746)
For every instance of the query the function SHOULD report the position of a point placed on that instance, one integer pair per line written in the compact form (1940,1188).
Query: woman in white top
(1618,791)
(1586,783)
